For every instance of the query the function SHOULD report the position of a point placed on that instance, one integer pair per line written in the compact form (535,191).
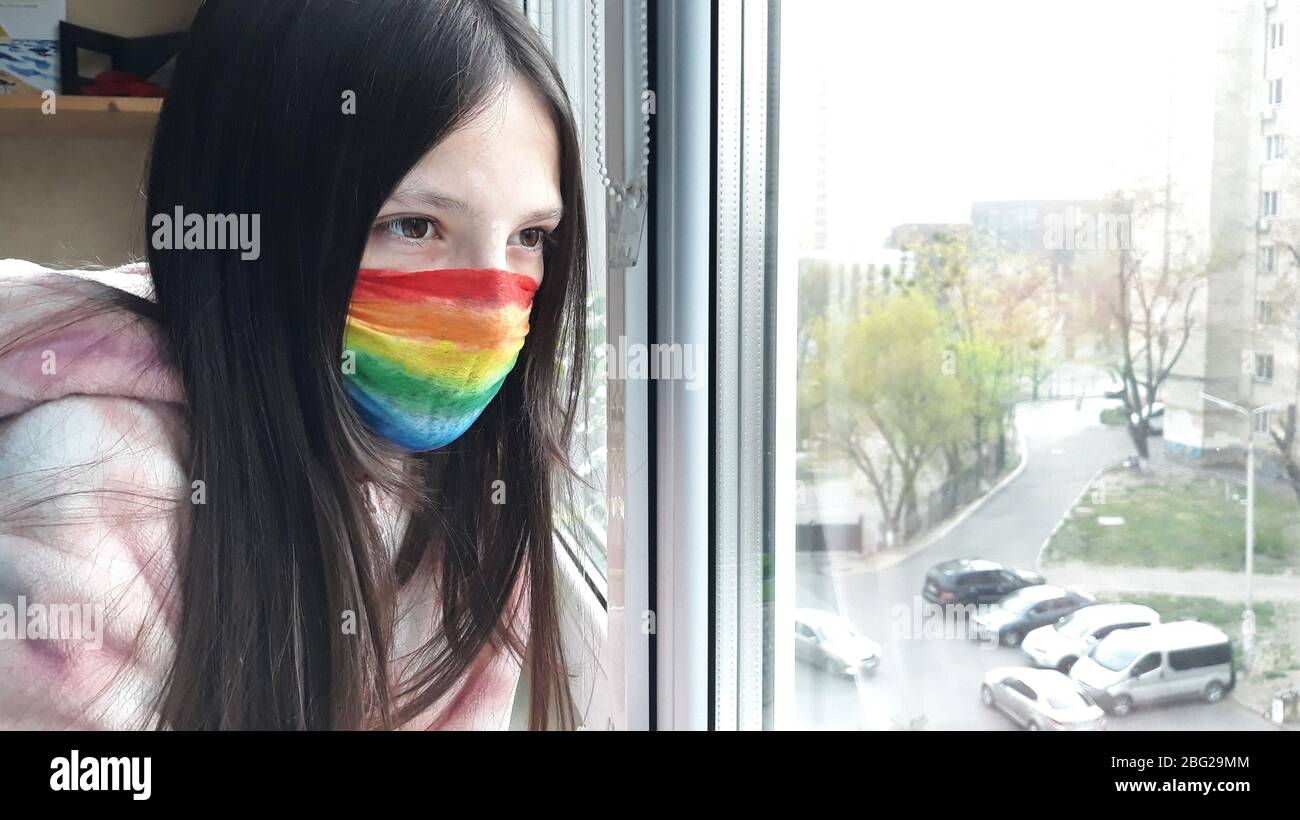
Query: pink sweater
(90,428)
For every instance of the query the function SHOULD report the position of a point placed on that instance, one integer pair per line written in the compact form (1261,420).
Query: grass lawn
(1274,624)
(1180,524)
(1223,614)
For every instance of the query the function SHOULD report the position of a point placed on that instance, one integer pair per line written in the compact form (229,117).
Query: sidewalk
(1226,586)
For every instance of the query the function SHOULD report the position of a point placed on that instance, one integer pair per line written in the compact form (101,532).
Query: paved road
(933,683)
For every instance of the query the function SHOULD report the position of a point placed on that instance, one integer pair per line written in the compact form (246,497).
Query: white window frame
(1275,91)
(603,613)
(681,271)
(739,403)
(754,408)
(711,664)
(1271,204)
(631,612)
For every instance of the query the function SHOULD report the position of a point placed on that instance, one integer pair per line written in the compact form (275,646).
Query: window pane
(567,30)
(1044,297)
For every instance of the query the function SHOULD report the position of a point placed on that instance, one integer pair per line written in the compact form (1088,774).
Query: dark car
(1023,611)
(974,581)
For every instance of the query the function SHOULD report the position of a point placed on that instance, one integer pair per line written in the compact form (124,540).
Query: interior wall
(133,18)
(73,201)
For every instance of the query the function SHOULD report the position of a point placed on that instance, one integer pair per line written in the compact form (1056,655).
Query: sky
(932,105)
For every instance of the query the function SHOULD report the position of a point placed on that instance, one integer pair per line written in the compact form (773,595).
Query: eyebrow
(415,196)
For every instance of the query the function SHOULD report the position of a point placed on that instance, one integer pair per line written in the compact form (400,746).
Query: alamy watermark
(1084,230)
(677,361)
(60,622)
(213,232)
(926,621)
(75,773)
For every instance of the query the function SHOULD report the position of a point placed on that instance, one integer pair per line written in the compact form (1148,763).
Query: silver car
(1059,645)
(1041,699)
(829,641)
(1137,667)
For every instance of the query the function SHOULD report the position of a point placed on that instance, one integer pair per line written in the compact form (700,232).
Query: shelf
(21,116)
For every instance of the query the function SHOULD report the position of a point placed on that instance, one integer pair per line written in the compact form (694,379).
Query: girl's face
(487,196)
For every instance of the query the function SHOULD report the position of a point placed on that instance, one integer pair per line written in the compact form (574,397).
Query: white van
(1138,667)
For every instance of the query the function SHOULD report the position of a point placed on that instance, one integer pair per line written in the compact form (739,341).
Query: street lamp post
(1247,615)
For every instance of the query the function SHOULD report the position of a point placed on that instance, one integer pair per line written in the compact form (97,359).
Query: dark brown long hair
(287,544)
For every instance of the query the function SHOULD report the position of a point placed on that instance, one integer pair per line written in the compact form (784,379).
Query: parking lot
(934,683)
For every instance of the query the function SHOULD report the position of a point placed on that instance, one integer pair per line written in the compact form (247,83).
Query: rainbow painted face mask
(432,348)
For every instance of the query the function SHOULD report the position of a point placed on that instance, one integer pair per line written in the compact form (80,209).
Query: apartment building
(1245,347)
(847,284)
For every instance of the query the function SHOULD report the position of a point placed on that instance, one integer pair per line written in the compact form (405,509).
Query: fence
(953,494)
(934,507)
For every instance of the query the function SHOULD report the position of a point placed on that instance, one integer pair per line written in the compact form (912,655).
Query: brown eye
(532,237)
(410,227)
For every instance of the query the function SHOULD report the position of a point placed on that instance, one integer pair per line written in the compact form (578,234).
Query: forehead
(504,158)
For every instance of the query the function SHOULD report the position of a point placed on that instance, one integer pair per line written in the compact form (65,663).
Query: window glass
(835,631)
(1200,657)
(1020,604)
(1115,653)
(1031,335)
(568,31)
(1147,664)
(1072,626)
(1066,700)
(1020,688)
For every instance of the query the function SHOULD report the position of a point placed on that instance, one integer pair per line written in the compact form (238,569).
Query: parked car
(830,642)
(1137,667)
(1059,645)
(1156,421)
(1041,699)
(1023,611)
(974,581)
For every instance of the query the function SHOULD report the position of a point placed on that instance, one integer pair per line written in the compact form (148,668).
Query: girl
(308,486)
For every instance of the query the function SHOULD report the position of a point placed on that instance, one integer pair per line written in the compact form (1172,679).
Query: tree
(986,368)
(1152,310)
(813,302)
(994,304)
(878,391)
(1037,363)
(1281,288)
(1285,439)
